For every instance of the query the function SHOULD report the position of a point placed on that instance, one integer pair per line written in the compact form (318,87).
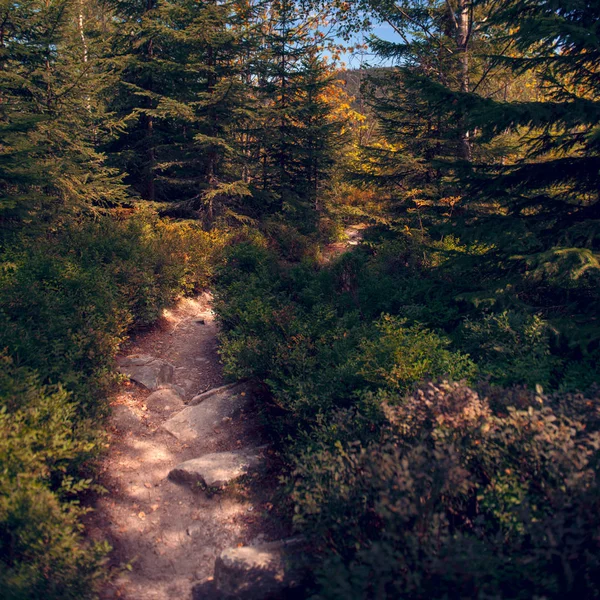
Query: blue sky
(383,31)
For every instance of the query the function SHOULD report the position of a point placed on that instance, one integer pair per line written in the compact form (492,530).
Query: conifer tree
(184,99)
(50,114)
(530,194)
(297,137)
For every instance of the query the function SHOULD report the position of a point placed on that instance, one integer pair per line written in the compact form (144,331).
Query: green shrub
(512,347)
(400,356)
(67,301)
(299,330)
(62,318)
(443,493)
(453,500)
(43,444)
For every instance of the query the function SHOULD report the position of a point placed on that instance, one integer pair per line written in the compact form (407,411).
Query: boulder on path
(218,469)
(147,370)
(258,572)
(199,421)
(123,418)
(164,400)
(239,387)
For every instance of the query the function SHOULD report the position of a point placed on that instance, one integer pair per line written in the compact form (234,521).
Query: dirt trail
(353,236)
(166,536)
(170,534)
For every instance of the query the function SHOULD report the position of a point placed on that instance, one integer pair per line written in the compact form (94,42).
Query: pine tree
(50,116)
(183,97)
(530,194)
(296,139)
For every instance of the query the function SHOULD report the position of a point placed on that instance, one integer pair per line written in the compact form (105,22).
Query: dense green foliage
(434,391)
(411,490)
(66,303)
(43,445)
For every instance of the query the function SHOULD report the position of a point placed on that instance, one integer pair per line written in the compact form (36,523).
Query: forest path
(168,533)
(353,236)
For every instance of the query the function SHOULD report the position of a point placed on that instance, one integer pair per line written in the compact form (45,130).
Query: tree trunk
(151,154)
(463,34)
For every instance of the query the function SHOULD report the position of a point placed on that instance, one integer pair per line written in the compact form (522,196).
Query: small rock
(218,469)
(171,386)
(146,370)
(256,572)
(164,400)
(198,421)
(201,322)
(258,540)
(124,418)
(135,360)
(240,388)
(195,530)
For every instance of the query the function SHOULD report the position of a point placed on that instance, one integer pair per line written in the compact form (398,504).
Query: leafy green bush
(401,356)
(512,348)
(443,493)
(454,500)
(43,444)
(299,330)
(67,301)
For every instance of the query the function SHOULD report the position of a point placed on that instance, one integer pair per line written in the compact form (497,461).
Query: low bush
(299,330)
(67,300)
(481,489)
(452,499)
(400,356)
(512,347)
(43,446)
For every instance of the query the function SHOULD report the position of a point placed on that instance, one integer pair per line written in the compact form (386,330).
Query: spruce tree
(50,114)
(297,138)
(183,98)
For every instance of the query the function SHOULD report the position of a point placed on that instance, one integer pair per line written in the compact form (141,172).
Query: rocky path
(188,472)
(175,502)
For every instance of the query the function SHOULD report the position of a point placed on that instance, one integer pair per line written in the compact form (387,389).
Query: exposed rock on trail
(218,469)
(165,400)
(257,572)
(202,420)
(147,370)
(170,534)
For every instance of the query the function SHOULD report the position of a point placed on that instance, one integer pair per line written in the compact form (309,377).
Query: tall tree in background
(50,114)
(440,42)
(528,195)
(550,189)
(297,140)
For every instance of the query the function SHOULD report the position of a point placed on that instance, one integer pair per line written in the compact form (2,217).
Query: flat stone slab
(218,469)
(199,421)
(164,400)
(239,387)
(257,572)
(147,370)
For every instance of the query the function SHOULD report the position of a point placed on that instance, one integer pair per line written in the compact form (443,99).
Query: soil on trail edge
(166,536)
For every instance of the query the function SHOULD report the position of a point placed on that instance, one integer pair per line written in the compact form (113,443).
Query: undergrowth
(436,446)
(67,301)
